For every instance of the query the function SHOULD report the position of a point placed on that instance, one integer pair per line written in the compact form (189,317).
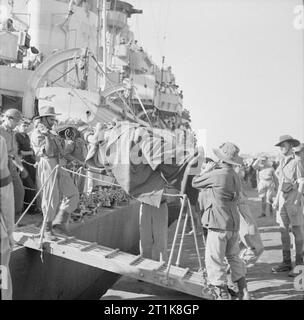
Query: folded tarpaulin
(143,160)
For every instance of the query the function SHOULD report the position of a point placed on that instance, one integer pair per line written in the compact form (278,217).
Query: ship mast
(104,45)
(98,36)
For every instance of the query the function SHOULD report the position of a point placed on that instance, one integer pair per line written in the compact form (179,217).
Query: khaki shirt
(38,142)
(4,171)
(290,170)
(10,138)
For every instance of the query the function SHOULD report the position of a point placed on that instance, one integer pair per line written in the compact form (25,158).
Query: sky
(240,64)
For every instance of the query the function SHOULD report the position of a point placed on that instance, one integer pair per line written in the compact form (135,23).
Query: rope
(82,175)
(63,75)
(36,196)
(30,164)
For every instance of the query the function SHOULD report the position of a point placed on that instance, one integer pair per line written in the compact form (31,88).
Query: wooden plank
(112,254)
(65,240)
(90,246)
(137,260)
(144,271)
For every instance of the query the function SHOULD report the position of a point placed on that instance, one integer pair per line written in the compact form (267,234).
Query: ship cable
(119,95)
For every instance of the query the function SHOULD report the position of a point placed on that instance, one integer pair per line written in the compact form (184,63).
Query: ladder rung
(66,240)
(160,267)
(89,246)
(137,260)
(185,273)
(33,236)
(112,254)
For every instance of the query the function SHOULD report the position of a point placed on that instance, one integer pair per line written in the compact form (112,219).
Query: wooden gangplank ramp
(113,260)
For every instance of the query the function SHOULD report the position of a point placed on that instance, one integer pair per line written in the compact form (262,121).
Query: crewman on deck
(288,203)
(64,197)
(7,213)
(12,118)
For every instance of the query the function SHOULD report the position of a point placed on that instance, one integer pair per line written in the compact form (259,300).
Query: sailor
(266,183)
(7,221)
(12,118)
(222,220)
(288,202)
(64,197)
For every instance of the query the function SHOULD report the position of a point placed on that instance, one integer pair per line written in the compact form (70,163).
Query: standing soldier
(48,148)
(222,219)
(27,155)
(7,219)
(288,202)
(11,119)
(299,155)
(266,183)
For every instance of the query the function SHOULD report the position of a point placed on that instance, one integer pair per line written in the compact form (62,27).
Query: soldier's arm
(300,180)
(255,164)
(203,181)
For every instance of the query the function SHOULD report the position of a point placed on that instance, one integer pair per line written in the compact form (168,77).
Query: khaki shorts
(266,190)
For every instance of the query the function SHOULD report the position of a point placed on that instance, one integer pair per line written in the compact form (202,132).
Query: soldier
(7,219)
(222,219)
(12,118)
(27,155)
(288,203)
(299,155)
(49,149)
(266,183)
(75,152)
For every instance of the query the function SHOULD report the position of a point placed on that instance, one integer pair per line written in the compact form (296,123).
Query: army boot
(299,262)
(243,290)
(222,293)
(286,265)
(48,232)
(60,223)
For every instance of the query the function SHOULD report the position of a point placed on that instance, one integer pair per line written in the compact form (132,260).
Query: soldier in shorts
(299,155)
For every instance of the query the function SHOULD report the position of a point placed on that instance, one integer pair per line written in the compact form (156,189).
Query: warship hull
(49,277)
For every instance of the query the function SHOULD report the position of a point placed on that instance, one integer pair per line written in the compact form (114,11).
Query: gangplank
(92,254)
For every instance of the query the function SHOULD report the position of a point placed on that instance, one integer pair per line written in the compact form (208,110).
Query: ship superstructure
(111,77)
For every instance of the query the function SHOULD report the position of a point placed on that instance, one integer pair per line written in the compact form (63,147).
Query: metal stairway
(92,254)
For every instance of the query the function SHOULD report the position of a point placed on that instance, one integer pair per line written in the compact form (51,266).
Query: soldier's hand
(209,166)
(298,201)
(275,205)
(24,174)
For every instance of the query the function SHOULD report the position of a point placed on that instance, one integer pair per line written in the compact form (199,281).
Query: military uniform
(65,196)
(12,149)
(289,173)
(7,212)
